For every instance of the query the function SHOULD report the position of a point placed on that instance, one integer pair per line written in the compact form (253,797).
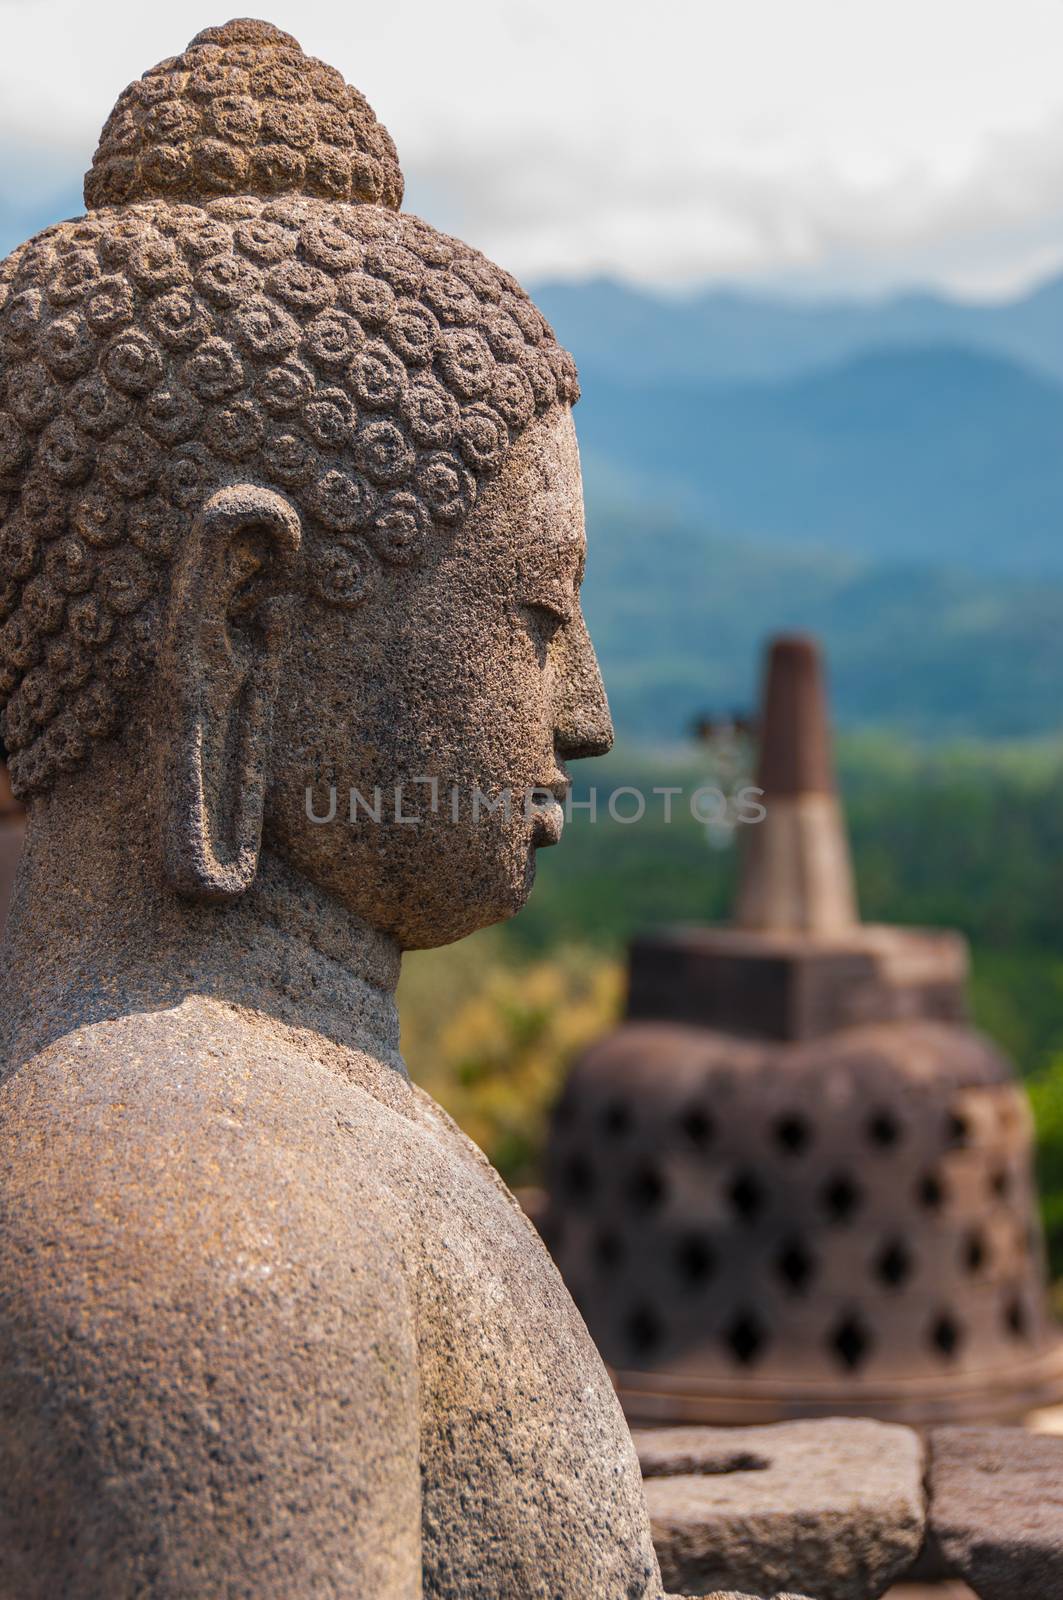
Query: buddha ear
(229,617)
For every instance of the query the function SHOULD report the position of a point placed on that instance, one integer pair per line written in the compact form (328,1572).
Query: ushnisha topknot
(243,111)
(243,301)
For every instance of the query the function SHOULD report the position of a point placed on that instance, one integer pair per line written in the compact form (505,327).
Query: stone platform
(931,1591)
(855,1510)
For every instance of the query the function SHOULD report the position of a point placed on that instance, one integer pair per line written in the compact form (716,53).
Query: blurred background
(810,262)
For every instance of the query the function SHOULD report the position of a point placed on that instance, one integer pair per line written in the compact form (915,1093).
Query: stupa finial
(796,870)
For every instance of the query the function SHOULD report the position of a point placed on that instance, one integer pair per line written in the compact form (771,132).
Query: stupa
(796,1181)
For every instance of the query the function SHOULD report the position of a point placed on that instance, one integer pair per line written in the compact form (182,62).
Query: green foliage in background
(1046,1093)
(490,1037)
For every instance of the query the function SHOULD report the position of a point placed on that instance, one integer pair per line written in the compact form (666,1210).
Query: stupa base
(994,1395)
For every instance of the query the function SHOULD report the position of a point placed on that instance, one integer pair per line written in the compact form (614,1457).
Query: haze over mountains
(889,474)
(720,334)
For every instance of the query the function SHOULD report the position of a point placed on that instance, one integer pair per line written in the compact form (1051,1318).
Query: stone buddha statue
(291,510)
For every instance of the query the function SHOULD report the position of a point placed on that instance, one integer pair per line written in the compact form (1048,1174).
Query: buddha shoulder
(168,1122)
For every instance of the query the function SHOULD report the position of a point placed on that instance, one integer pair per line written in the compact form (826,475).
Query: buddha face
(289,491)
(450,706)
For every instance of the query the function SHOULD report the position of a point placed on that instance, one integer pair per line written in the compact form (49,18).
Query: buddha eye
(547,616)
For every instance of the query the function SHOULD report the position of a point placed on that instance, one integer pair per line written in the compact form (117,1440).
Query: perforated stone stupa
(795,1181)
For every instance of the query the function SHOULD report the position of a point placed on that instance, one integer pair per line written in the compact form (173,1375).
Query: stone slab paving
(1047,1420)
(931,1591)
(997,1510)
(832,1509)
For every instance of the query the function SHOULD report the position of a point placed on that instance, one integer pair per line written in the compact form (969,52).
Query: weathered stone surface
(996,1509)
(290,499)
(948,1590)
(835,1508)
(12,830)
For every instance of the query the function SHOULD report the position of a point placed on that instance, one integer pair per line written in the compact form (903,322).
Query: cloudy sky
(810,145)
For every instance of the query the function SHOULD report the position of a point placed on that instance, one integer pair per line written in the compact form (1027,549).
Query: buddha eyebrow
(554,563)
(551,580)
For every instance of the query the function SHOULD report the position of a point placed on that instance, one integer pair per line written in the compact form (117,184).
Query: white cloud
(836,143)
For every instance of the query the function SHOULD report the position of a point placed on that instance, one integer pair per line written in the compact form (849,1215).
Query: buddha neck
(94,932)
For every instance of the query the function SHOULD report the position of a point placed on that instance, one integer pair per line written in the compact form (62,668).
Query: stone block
(996,1509)
(832,1508)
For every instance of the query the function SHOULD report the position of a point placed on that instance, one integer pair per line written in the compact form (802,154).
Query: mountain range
(939,454)
(679,617)
(721,334)
(888,475)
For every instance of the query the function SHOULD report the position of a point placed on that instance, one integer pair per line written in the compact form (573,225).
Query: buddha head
(291,504)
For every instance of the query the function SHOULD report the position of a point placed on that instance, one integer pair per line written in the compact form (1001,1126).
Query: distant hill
(679,618)
(889,475)
(940,454)
(722,334)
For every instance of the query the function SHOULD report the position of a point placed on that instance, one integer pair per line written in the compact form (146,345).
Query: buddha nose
(582,724)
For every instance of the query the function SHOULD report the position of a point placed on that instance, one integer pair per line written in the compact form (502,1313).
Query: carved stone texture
(371,368)
(847,1224)
(836,1508)
(242,109)
(996,1509)
(290,500)
(12,831)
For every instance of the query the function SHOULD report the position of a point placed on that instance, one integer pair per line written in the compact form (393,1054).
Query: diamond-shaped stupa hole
(851,1342)
(746,1194)
(894,1264)
(796,1266)
(746,1339)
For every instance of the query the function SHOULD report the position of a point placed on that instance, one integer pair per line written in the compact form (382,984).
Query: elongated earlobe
(228,624)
